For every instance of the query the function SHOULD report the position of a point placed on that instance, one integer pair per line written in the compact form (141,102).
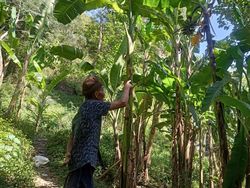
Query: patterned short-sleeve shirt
(86,128)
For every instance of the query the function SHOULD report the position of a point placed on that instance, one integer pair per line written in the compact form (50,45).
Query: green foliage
(86,66)
(115,76)
(213,92)
(10,53)
(40,101)
(157,29)
(240,35)
(3,12)
(160,170)
(156,3)
(225,58)
(239,104)
(236,166)
(67,52)
(16,169)
(56,80)
(66,10)
(57,142)
(107,146)
(201,78)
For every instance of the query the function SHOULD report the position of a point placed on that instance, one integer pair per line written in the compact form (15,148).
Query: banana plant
(3,17)
(8,40)
(36,31)
(113,81)
(236,83)
(155,11)
(66,10)
(38,82)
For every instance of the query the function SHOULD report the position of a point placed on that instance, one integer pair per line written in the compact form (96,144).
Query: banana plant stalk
(1,67)
(219,109)
(128,175)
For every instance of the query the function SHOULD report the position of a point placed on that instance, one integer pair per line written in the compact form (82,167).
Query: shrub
(16,168)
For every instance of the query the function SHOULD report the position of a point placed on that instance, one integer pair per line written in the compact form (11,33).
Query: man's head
(92,88)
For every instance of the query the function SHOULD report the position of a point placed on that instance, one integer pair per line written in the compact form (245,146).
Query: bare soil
(44,178)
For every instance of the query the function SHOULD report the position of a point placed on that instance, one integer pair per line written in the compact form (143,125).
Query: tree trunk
(100,41)
(224,153)
(138,140)
(147,156)
(175,145)
(116,137)
(128,172)
(21,101)
(12,108)
(177,124)
(248,166)
(211,169)
(146,105)
(140,137)
(175,171)
(189,135)
(219,110)
(1,67)
(38,121)
(201,178)
(182,132)
(100,36)
(216,165)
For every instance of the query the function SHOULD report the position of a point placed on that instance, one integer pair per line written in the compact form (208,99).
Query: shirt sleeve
(102,108)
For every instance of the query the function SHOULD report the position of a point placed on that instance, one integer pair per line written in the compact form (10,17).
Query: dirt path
(44,178)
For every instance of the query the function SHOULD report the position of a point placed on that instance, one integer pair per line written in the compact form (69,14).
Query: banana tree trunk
(183,133)
(140,137)
(147,101)
(116,137)
(201,174)
(138,141)
(19,89)
(248,166)
(1,67)
(219,109)
(216,165)
(100,36)
(177,147)
(211,150)
(189,148)
(128,172)
(175,169)
(21,101)
(147,156)
(189,131)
